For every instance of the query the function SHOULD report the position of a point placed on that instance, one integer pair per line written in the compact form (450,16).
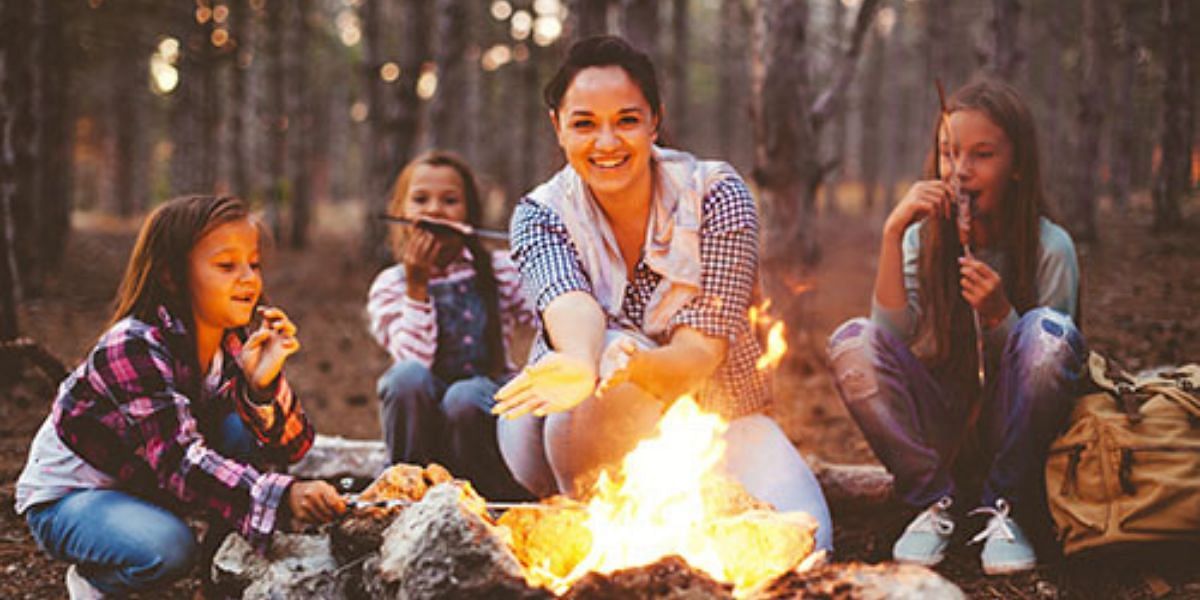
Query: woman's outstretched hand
(264,353)
(556,383)
(924,199)
(983,289)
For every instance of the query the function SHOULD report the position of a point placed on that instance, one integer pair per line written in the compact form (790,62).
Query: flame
(669,500)
(776,348)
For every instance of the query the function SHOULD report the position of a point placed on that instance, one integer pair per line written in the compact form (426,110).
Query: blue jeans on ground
(123,543)
(914,424)
(426,420)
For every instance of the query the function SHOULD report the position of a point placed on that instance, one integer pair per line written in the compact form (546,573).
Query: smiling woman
(641,261)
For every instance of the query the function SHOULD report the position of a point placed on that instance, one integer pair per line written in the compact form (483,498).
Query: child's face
(982,155)
(224,276)
(436,191)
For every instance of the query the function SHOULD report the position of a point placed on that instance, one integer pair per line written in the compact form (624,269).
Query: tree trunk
(901,163)
(1004,56)
(677,90)
(187,100)
(1123,139)
(302,124)
(786,166)
(448,111)
(639,26)
(19,39)
(1089,124)
(588,18)
(728,117)
(839,131)
(395,112)
(129,84)
(1174,180)
(12,32)
(871,109)
(277,145)
(240,23)
(55,158)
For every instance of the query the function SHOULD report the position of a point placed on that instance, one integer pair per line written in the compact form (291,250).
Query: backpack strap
(1178,385)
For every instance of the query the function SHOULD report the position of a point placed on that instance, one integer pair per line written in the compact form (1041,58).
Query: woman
(646,257)
(911,375)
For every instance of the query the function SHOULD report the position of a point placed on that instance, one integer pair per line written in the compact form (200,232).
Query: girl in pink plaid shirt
(178,406)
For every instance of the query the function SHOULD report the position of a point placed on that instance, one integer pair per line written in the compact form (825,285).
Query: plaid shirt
(136,409)
(550,266)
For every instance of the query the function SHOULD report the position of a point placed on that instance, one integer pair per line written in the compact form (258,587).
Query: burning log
(670,578)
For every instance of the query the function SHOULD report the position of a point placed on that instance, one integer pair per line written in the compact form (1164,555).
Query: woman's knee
(524,453)
(405,379)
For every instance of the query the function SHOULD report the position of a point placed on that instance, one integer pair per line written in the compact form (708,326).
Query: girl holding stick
(938,409)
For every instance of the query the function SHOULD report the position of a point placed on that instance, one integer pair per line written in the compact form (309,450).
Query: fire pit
(666,524)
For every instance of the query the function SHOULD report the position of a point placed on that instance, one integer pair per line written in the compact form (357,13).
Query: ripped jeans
(914,423)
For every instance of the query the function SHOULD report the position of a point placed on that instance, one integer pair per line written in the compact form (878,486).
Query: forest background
(308,108)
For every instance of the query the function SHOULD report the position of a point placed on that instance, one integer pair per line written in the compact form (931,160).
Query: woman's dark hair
(485,276)
(605,51)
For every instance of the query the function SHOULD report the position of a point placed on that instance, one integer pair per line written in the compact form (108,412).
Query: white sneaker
(79,588)
(1005,547)
(924,541)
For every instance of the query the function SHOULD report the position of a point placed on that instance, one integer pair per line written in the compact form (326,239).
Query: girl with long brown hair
(443,312)
(179,405)
(969,361)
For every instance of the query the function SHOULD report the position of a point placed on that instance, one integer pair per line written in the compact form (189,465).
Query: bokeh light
(501,10)
(521,25)
(389,72)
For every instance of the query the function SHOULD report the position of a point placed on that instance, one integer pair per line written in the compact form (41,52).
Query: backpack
(1127,469)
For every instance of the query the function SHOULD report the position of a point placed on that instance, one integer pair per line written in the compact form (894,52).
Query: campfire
(668,499)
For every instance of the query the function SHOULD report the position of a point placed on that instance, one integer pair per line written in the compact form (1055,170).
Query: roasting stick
(442,225)
(965,214)
(352,501)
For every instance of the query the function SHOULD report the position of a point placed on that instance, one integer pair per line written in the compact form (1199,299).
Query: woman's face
(606,129)
(435,191)
(982,156)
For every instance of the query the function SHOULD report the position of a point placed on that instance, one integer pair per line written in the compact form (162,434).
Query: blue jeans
(914,424)
(426,420)
(123,543)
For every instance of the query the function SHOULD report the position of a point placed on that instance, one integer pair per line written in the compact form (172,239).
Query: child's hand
(983,290)
(556,383)
(924,199)
(264,353)
(426,250)
(314,502)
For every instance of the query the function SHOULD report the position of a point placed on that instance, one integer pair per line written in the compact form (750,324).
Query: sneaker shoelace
(997,526)
(935,519)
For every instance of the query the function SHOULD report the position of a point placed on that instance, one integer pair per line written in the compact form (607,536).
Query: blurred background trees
(310,107)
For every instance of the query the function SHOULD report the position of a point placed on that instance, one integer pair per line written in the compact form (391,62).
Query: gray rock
(333,456)
(297,566)
(444,547)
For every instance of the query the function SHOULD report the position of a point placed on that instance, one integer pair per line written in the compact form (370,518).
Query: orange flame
(669,500)
(776,348)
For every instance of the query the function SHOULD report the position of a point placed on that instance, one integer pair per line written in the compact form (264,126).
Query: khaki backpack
(1128,467)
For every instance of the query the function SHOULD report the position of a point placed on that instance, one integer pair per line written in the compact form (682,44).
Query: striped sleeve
(406,328)
(513,305)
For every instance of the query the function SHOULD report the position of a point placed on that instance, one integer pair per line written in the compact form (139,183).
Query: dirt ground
(1140,296)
